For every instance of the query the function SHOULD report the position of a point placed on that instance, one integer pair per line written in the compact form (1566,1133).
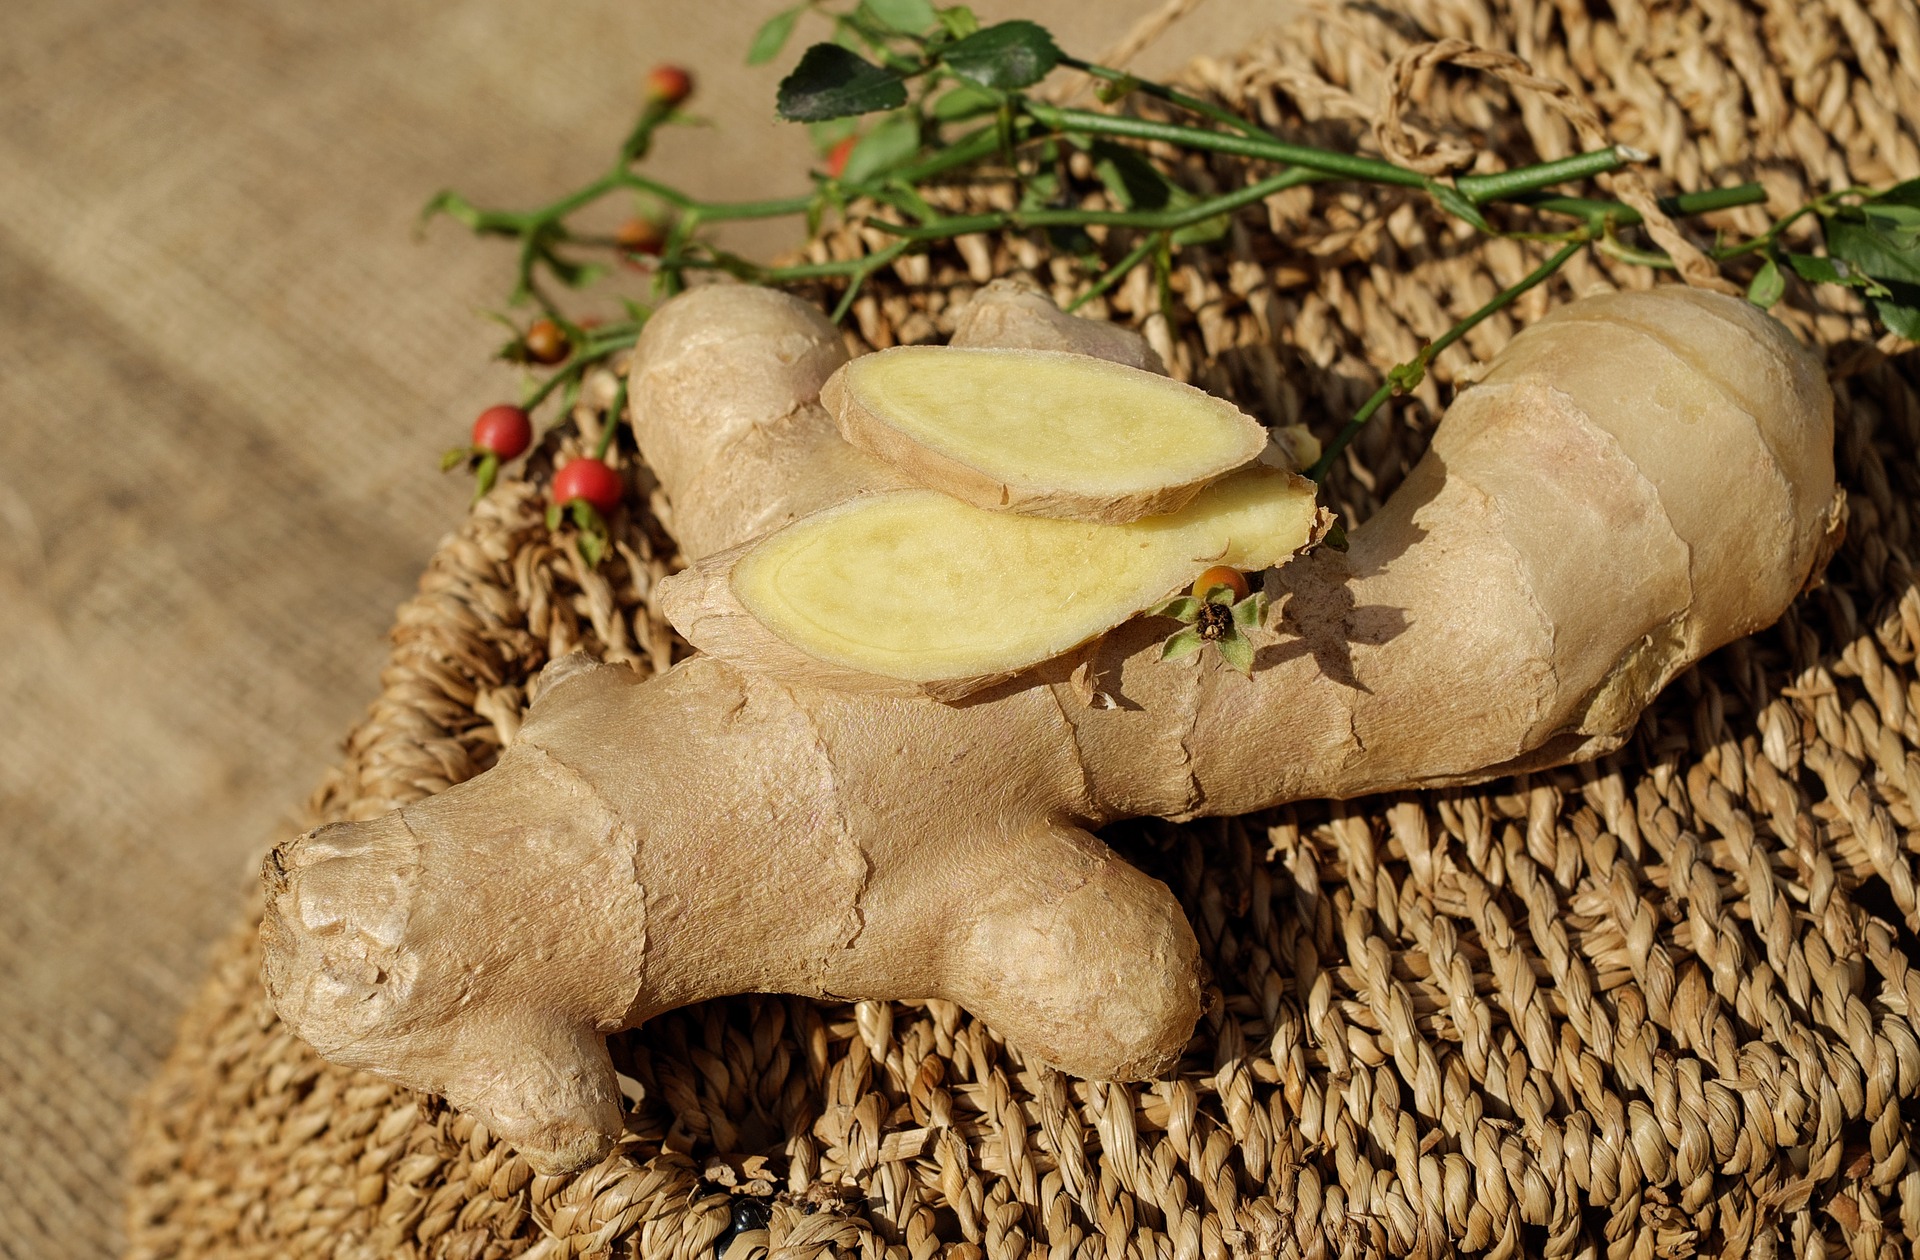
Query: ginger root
(1638,479)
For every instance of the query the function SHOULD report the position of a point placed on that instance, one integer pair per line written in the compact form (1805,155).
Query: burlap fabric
(1660,1005)
(227,368)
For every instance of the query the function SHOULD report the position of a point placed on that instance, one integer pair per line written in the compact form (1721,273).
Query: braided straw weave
(1659,1005)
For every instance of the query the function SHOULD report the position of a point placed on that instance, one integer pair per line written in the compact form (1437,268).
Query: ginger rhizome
(1638,479)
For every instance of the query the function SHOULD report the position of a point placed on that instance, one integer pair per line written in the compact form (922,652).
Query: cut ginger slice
(915,592)
(1040,432)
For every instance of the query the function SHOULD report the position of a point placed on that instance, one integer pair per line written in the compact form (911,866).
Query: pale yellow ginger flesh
(1040,432)
(918,586)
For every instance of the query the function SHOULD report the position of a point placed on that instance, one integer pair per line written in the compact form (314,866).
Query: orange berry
(838,154)
(546,342)
(640,236)
(668,85)
(1221,575)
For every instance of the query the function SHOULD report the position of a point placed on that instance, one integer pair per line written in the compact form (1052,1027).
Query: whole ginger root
(1638,479)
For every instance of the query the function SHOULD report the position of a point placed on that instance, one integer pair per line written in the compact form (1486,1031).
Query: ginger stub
(916,591)
(1040,432)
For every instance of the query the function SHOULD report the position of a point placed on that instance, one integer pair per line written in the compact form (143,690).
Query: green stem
(717,211)
(1506,185)
(1819,205)
(1682,206)
(1407,375)
(568,371)
(1342,165)
(1613,247)
(871,263)
(1113,274)
(671,279)
(1143,220)
(612,426)
(1163,276)
(1162,92)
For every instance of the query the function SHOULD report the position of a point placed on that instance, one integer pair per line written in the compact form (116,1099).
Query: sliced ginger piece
(1040,432)
(913,591)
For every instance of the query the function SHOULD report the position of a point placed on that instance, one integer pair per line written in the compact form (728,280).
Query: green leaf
(1336,539)
(1818,270)
(891,142)
(959,21)
(1237,652)
(484,475)
(909,17)
(1183,644)
(1040,189)
(574,275)
(1135,183)
(773,35)
(968,100)
(1406,377)
(1219,593)
(1898,206)
(831,82)
(1009,55)
(1074,241)
(1904,320)
(1111,90)
(1768,286)
(454,206)
(1894,216)
(587,518)
(1248,612)
(1180,608)
(1455,203)
(1904,194)
(1886,255)
(1205,232)
(1131,180)
(455,457)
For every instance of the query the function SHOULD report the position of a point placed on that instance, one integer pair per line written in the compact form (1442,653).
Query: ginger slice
(915,592)
(1040,432)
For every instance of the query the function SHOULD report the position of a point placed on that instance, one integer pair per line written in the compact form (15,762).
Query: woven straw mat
(1660,1005)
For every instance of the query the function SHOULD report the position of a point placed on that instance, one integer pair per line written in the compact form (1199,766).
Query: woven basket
(1658,1005)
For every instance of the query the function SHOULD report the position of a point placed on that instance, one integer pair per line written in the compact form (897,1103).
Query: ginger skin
(1594,516)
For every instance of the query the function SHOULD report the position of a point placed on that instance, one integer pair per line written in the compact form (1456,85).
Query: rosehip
(1221,575)
(546,342)
(503,432)
(589,479)
(838,154)
(668,85)
(640,236)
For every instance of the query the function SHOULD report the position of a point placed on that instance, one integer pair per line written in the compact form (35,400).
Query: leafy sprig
(927,92)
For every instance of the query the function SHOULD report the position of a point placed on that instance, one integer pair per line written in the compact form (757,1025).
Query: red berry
(668,85)
(546,342)
(503,431)
(838,154)
(641,236)
(592,480)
